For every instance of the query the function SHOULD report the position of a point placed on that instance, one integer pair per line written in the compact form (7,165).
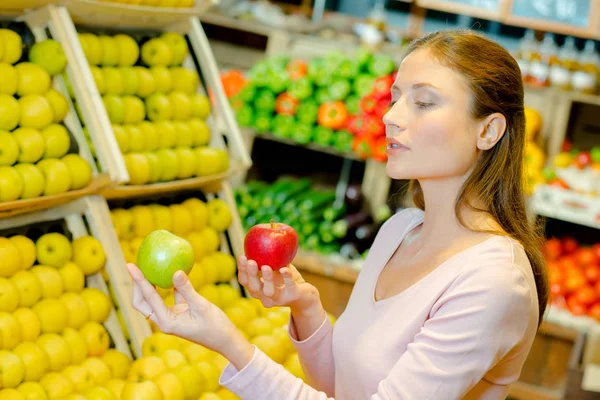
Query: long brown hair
(495,82)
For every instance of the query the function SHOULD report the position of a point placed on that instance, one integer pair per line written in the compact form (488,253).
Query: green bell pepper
(353,104)
(303,133)
(339,90)
(259,74)
(307,112)
(348,69)
(262,122)
(301,88)
(278,81)
(323,136)
(264,101)
(322,95)
(363,85)
(283,125)
(381,64)
(247,93)
(244,116)
(342,141)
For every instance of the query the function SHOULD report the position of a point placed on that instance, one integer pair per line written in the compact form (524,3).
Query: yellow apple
(96,337)
(26,248)
(12,370)
(10,293)
(134,245)
(32,79)
(162,79)
(129,50)
(99,393)
(167,134)
(10,112)
(155,166)
(124,223)
(147,368)
(225,394)
(50,279)
(72,277)
(110,50)
(57,350)
(99,370)
(227,267)
(196,275)
(182,220)
(56,175)
(207,161)
(197,242)
(31,144)
(227,295)
(122,138)
(88,254)
(187,162)
(33,181)
(77,308)
(32,391)
(200,132)
(34,360)
(147,85)
(115,107)
(271,346)
(178,46)
(36,111)
(212,241)
(159,107)
(99,79)
(158,343)
(98,303)
(162,216)
(8,85)
(10,256)
(54,249)
(116,386)
(53,315)
(29,323)
(79,376)
(135,112)
(91,47)
(170,164)
(77,343)
(200,106)
(57,385)
(141,391)
(211,375)
(156,52)
(28,286)
(9,147)
(182,105)
(192,380)
(185,136)
(185,80)
(170,386)
(173,359)
(117,362)
(138,168)
(143,221)
(11,187)
(79,169)
(114,80)
(57,141)
(137,141)
(199,212)
(151,135)
(10,331)
(59,104)
(196,353)
(131,80)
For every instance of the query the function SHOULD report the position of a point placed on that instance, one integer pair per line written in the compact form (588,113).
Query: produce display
(535,158)
(322,222)
(576,170)
(158,116)
(574,274)
(37,155)
(156,3)
(335,101)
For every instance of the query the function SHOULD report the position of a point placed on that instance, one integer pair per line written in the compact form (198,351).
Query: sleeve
(476,323)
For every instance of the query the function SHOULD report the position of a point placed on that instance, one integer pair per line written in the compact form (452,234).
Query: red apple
(273,244)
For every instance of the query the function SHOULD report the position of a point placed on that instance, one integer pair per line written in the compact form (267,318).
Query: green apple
(31,144)
(115,84)
(79,169)
(10,112)
(182,105)
(161,255)
(32,79)
(11,184)
(91,47)
(8,84)
(200,132)
(147,84)
(170,164)
(36,111)
(155,166)
(115,107)
(184,134)
(49,55)
(185,80)
(187,162)
(208,161)
(13,46)
(135,112)
(138,168)
(110,51)
(200,106)
(59,104)
(33,180)
(122,138)
(129,51)
(162,78)
(9,149)
(57,141)
(98,75)
(167,134)
(156,52)
(159,107)
(178,46)
(57,176)
(137,141)
(151,135)
(131,80)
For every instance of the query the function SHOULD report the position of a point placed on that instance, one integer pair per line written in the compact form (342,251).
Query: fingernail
(179,278)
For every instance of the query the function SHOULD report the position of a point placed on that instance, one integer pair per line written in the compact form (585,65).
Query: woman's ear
(491,130)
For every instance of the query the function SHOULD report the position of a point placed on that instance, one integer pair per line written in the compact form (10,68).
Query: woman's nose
(396,115)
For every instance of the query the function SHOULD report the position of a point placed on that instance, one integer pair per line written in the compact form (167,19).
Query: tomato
(585,295)
(597,288)
(556,275)
(575,306)
(297,69)
(594,312)
(569,245)
(585,256)
(592,273)
(583,159)
(553,249)
(569,264)
(596,250)
(574,282)
(557,290)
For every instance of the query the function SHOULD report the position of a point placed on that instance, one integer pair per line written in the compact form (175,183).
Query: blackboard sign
(570,12)
(487,5)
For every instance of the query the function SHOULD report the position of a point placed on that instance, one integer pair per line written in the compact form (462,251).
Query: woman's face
(429,129)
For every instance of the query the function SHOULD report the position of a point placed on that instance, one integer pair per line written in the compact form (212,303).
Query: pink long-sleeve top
(461,332)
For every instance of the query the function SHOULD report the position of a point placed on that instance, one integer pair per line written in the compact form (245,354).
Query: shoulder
(402,219)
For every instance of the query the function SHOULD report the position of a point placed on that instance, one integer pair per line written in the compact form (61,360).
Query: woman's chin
(396,171)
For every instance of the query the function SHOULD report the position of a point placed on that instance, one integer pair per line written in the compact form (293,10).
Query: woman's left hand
(192,317)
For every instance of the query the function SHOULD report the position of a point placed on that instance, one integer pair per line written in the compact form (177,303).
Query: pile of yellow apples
(159,119)
(33,142)
(155,3)
(535,158)
(52,340)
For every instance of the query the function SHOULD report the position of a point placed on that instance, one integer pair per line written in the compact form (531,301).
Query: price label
(570,12)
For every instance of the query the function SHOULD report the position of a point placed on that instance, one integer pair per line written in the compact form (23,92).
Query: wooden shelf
(329,266)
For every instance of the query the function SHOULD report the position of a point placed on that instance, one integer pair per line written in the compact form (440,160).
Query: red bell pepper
(332,115)
(374,127)
(383,86)
(356,124)
(233,81)
(362,146)
(297,69)
(383,106)
(379,149)
(368,104)
(286,104)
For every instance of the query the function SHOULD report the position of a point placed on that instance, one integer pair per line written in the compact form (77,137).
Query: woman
(452,292)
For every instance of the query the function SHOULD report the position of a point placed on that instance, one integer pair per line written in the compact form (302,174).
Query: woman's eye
(423,105)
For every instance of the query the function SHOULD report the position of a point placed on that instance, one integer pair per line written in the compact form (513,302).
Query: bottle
(548,57)
(561,73)
(585,80)
(377,16)
(527,48)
